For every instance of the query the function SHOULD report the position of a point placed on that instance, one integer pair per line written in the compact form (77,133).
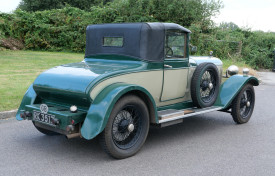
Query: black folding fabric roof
(140,40)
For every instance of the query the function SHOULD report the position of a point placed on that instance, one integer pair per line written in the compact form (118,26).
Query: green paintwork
(64,115)
(97,83)
(139,67)
(188,46)
(111,57)
(72,83)
(231,87)
(28,99)
(99,112)
(77,79)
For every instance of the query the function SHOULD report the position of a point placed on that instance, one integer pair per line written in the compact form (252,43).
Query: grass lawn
(18,69)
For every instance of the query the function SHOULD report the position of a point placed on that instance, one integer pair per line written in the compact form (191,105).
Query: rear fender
(101,108)
(28,99)
(231,87)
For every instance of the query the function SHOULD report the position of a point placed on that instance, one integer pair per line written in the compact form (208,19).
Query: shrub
(59,29)
(64,29)
(255,48)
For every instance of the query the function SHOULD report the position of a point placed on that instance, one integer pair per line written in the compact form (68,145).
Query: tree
(184,12)
(229,26)
(38,5)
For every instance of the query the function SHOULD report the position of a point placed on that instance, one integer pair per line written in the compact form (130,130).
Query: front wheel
(243,104)
(127,127)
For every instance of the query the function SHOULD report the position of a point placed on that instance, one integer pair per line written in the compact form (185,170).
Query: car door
(176,66)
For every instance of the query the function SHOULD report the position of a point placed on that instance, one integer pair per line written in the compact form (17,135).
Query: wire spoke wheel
(243,104)
(205,85)
(126,127)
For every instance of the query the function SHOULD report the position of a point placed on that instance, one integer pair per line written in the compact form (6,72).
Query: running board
(173,116)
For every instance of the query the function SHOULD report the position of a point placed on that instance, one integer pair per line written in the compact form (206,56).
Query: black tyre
(243,104)
(205,85)
(127,128)
(44,131)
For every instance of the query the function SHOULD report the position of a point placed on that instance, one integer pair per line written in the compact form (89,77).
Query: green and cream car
(133,75)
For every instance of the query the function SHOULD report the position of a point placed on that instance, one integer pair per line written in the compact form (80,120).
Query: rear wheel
(243,105)
(127,128)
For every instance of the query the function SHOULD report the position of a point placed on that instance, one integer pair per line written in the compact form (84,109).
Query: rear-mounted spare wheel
(205,85)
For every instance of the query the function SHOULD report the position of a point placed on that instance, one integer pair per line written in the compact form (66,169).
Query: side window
(113,41)
(175,45)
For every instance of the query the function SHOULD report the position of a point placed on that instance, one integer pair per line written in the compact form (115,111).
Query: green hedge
(255,48)
(64,29)
(60,29)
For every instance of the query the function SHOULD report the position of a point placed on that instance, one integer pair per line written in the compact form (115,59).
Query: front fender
(28,99)
(231,87)
(101,108)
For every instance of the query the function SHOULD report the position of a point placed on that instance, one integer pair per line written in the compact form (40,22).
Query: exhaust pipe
(74,135)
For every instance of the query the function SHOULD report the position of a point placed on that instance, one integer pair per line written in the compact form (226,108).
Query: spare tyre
(205,85)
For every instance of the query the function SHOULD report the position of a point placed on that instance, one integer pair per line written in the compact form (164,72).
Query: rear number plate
(41,117)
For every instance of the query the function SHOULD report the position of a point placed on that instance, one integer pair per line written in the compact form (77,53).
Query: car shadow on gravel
(81,150)
(190,128)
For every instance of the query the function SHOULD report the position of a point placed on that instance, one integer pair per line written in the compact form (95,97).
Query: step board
(173,114)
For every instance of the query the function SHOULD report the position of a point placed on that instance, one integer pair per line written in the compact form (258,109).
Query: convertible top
(144,41)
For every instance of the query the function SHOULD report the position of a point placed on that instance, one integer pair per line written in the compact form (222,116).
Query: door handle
(167,66)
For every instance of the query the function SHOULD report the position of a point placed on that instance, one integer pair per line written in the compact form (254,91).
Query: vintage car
(133,75)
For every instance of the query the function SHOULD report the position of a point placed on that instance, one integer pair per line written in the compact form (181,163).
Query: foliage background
(60,26)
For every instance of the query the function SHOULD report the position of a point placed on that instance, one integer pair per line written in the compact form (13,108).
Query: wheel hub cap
(210,86)
(123,126)
(131,127)
(127,127)
(205,85)
(248,104)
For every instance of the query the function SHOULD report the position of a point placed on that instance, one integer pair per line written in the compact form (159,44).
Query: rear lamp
(25,115)
(70,128)
(55,121)
(72,122)
(22,115)
(28,114)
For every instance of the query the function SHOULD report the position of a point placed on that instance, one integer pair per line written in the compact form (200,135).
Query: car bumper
(62,120)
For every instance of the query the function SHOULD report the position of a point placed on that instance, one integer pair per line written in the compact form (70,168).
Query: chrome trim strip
(191,114)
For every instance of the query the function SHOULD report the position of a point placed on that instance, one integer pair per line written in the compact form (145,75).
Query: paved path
(268,78)
(209,144)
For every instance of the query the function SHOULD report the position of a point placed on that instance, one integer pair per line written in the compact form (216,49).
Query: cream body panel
(150,80)
(175,83)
